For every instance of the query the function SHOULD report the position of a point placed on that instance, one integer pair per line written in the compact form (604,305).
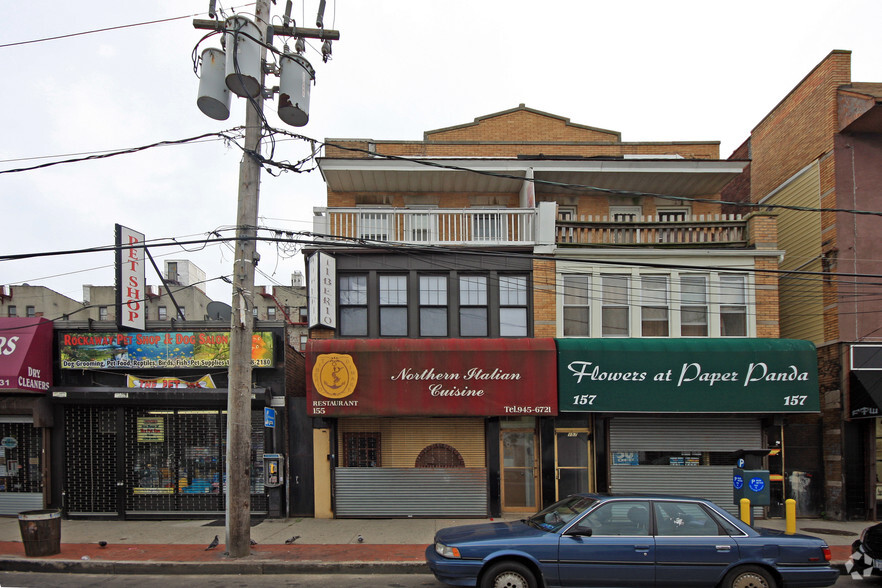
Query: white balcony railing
(447,226)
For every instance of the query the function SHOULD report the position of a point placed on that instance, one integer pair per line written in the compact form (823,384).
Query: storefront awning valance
(431,377)
(26,355)
(688,375)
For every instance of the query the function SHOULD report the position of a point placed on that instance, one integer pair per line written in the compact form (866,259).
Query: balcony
(719,230)
(437,226)
(525,227)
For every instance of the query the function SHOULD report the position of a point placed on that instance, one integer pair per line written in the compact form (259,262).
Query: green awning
(687,375)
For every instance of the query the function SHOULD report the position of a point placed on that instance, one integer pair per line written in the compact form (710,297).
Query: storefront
(25,414)
(428,427)
(863,430)
(148,438)
(676,410)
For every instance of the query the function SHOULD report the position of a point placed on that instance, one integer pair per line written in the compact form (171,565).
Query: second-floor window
(513,306)
(11,310)
(30,311)
(353,305)
(473,306)
(163,313)
(614,314)
(393,306)
(102,313)
(576,305)
(433,306)
(693,306)
(733,306)
(270,313)
(655,309)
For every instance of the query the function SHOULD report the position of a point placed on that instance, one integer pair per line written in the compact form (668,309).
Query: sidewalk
(322,545)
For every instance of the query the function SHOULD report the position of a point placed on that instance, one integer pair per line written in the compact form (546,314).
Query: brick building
(820,149)
(544,256)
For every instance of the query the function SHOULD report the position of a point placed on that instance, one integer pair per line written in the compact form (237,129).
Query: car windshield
(560,513)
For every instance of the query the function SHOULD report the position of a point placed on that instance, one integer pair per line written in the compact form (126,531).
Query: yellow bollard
(790,516)
(745,510)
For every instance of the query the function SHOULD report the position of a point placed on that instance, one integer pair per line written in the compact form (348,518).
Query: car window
(560,513)
(684,519)
(620,517)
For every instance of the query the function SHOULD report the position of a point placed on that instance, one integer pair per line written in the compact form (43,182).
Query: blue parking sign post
(269,417)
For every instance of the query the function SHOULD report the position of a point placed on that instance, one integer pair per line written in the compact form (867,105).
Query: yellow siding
(802,307)
(402,439)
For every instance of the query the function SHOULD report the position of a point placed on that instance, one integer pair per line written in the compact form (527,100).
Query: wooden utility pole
(238,462)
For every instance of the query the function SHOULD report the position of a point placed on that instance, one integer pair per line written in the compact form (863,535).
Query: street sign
(269,417)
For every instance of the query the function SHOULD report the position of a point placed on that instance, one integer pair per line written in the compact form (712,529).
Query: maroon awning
(431,377)
(26,355)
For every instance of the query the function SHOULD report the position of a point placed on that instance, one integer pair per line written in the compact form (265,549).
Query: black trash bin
(40,532)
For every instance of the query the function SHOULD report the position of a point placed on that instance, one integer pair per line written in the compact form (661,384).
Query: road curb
(267,567)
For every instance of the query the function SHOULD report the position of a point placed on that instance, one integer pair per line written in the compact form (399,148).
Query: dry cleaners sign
(687,375)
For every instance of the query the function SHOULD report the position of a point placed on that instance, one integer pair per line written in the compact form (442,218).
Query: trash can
(40,532)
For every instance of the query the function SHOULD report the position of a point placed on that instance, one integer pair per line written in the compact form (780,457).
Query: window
(393,306)
(433,306)
(361,450)
(353,305)
(163,313)
(303,314)
(11,310)
(693,306)
(171,271)
(421,227)
(577,306)
(625,214)
(303,340)
(733,306)
(473,306)
(655,310)
(513,306)
(672,214)
(566,213)
(30,311)
(621,517)
(614,312)
(182,312)
(102,313)
(487,226)
(270,313)
(684,519)
(373,226)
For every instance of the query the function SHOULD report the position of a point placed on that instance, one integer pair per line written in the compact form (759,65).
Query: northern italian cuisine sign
(431,377)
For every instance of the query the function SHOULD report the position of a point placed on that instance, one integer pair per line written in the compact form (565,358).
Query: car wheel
(508,574)
(749,577)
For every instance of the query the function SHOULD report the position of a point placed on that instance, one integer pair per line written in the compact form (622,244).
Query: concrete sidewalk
(321,545)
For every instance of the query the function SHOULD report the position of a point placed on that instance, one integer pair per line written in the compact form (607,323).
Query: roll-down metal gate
(679,455)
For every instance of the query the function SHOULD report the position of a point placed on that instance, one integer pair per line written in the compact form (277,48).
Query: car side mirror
(580,531)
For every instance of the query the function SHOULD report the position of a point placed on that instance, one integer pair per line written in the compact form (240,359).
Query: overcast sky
(654,71)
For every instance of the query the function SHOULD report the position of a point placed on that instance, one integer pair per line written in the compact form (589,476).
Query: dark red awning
(26,355)
(431,377)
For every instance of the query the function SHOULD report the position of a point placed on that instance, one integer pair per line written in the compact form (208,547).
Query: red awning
(431,377)
(26,355)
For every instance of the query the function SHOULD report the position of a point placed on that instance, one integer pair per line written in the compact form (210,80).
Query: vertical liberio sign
(131,309)
(322,306)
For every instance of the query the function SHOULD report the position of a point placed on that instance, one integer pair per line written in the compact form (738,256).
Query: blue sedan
(628,541)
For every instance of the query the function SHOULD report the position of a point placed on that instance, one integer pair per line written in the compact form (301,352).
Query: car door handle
(724,548)
(641,548)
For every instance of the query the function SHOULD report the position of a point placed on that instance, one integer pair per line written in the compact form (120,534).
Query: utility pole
(238,457)
(238,461)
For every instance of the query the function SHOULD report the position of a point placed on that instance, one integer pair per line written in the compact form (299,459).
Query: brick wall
(544,298)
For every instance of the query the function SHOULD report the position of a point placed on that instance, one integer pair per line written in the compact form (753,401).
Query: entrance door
(572,462)
(520,480)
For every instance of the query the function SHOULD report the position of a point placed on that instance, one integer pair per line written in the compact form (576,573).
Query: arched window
(439,455)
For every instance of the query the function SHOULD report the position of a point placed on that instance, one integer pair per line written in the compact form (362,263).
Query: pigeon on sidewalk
(253,542)
(214,543)
(292,540)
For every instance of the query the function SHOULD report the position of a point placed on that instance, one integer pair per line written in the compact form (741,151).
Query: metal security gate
(21,465)
(410,467)
(152,461)
(90,447)
(679,455)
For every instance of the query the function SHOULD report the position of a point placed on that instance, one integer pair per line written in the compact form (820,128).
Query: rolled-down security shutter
(411,467)
(684,445)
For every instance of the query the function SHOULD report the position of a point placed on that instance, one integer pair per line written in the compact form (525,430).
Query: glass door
(572,461)
(520,478)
